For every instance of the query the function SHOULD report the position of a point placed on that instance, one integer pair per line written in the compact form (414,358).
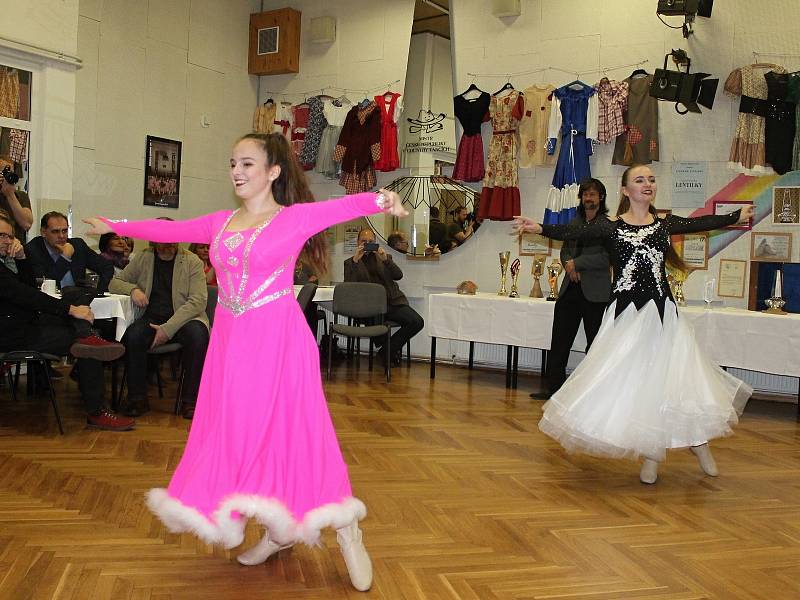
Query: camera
(371,247)
(10,176)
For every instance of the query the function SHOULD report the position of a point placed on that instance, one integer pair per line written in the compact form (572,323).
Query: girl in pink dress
(262,444)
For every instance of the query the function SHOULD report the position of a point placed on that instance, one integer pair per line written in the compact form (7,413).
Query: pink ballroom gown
(262,443)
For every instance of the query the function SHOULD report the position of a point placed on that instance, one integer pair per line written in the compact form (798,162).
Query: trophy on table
(514,277)
(776,303)
(504,256)
(553,271)
(537,270)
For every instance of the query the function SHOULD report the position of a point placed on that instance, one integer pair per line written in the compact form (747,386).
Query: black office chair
(306,301)
(360,302)
(33,359)
(211,309)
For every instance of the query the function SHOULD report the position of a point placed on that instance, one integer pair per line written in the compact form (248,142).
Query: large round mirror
(441,216)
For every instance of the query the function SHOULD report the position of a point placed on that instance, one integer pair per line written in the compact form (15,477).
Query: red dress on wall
(390,108)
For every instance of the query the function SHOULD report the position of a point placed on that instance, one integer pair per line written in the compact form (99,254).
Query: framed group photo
(786,205)
(771,246)
(162,172)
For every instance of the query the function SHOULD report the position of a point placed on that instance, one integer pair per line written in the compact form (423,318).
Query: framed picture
(162,172)
(693,249)
(786,205)
(770,246)
(531,244)
(724,207)
(663,212)
(731,278)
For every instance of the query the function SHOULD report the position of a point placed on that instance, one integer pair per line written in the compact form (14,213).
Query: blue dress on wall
(574,119)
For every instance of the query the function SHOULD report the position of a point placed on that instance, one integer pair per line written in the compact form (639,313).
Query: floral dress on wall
(316,125)
(533,127)
(639,144)
(359,147)
(500,195)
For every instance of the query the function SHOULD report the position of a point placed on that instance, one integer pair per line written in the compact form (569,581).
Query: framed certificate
(724,207)
(771,246)
(693,249)
(531,244)
(786,205)
(731,278)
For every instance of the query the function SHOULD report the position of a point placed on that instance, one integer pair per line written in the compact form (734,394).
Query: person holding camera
(15,202)
(371,264)
(462,227)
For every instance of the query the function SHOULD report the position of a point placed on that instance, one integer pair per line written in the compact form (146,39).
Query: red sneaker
(93,346)
(106,419)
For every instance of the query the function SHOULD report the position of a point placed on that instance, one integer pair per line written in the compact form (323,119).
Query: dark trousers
(55,335)
(410,325)
(570,309)
(193,336)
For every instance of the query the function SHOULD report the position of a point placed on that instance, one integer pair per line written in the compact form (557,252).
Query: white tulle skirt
(644,386)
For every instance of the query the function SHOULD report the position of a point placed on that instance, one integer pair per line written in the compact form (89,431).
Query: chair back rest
(306,295)
(211,304)
(359,300)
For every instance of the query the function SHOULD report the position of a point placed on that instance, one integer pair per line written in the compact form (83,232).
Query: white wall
(155,68)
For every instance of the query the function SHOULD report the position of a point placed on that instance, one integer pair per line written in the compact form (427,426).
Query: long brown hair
(671,256)
(291,187)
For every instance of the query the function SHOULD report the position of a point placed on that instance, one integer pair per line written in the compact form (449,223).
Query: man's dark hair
(434,212)
(394,238)
(105,240)
(592,184)
(53,214)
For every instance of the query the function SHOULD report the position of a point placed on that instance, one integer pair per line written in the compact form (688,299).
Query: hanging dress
(573,121)
(316,125)
(779,123)
(264,117)
(794,96)
(335,113)
(533,127)
(612,100)
(358,148)
(499,199)
(469,156)
(261,444)
(639,144)
(748,149)
(645,385)
(391,107)
(300,114)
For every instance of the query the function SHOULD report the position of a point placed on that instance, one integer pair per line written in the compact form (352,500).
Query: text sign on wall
(689,184)
(428,133)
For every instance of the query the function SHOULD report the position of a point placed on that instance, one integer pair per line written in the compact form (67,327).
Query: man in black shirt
(169,286)
(16,203)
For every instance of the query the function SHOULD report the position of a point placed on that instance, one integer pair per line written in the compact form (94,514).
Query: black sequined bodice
(638,252)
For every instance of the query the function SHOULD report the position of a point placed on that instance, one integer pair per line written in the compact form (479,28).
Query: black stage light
(691,90)
(701,8)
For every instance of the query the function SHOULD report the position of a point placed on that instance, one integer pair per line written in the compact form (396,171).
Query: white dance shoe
(359,566)
(260,552)
(649,472)
(707,462)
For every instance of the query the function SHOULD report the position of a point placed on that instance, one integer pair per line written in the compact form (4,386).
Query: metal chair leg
(389,357)
(52,393)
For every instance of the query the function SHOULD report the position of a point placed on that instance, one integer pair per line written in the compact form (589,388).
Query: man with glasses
(55,255)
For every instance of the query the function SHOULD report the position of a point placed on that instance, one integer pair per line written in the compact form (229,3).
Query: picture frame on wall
(786,205)
(724,207)
(693,249)
(663,212)
(162,172)
(731,278)
(771,246)
(531,244)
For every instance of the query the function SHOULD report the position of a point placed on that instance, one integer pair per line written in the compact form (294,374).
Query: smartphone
(371,247)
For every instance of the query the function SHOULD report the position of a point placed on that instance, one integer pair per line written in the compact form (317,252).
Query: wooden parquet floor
(467,500)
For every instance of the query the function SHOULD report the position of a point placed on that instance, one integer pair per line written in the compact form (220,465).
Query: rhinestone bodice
(230,254)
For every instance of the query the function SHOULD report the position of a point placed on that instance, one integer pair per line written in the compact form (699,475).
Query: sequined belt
(503,132)
(238,307)
(779,110)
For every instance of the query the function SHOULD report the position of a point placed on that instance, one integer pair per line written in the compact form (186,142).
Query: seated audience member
(53,255)
(398,240)
(169,285)
(201,250)
(15,202)
(32,320)
(437,232)
(113,248)
(461,229)
(378,267)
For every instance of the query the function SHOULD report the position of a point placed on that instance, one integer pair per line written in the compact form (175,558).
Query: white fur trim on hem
(269,512)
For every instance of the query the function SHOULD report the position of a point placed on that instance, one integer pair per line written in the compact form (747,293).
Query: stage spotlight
(688,9)
(690,90)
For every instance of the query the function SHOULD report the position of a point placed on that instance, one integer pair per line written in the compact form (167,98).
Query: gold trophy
(676,279)
(553,271)
(537,270)
(504,256)
(514,277)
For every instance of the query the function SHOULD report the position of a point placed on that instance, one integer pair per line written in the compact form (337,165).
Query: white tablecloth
(732,337)
(114,306)
(324,293)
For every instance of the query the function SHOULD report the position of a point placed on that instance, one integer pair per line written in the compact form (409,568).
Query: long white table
(732,337)
(112,306)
